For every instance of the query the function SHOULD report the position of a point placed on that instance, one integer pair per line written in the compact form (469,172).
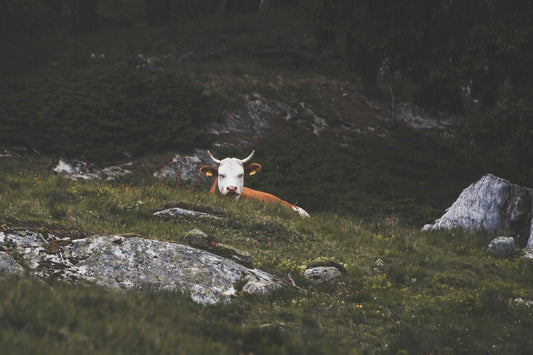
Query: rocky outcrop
(416,117)
(494,206)
(132,263)
(80,170)
(185,167)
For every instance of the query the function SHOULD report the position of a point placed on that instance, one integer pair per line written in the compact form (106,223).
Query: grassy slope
(436,292)
(403,290)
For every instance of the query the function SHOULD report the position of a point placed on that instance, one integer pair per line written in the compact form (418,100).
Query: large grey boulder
(492,205)
(133,263)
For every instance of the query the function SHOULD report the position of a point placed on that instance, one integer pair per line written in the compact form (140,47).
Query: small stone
(196,233)
(8,265)
(522,302)
(260,287)
(322,273)
(501,247)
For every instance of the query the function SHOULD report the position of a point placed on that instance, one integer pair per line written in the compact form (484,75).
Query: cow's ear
(208,171)
(252,169)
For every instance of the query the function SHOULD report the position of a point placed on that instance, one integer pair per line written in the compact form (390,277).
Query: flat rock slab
(182,213)
(133,263)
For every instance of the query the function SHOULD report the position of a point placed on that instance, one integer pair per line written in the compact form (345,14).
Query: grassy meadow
(149,92)
(403,291)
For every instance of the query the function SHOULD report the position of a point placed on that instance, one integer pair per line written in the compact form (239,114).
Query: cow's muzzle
(231,190)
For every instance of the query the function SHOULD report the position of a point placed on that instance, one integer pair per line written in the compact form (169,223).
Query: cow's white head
(230,173)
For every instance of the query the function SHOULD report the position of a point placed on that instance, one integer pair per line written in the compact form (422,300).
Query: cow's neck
(214,189)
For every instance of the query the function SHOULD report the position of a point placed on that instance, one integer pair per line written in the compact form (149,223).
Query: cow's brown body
(252,194)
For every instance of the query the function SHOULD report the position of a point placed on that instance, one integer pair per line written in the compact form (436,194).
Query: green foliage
(499,140)
(442,47)
(101,113)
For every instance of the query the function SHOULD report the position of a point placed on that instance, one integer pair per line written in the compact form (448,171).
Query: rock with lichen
(133,263)
(322,273)
(501,247)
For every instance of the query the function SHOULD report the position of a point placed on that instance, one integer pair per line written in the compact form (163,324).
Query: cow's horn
(247,159)
(215,160)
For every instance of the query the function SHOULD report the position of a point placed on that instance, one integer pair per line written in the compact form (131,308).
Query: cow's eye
(240,176)
(222,176)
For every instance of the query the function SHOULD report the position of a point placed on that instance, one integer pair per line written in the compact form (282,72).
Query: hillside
(370,173)
(402,290)
(237,86)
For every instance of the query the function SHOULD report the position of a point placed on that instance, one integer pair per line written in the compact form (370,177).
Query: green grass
(403,291)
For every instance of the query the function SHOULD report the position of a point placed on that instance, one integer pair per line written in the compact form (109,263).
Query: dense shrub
(103,113)
(31,18)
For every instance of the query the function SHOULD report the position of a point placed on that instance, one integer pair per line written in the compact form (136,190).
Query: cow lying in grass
(230,181)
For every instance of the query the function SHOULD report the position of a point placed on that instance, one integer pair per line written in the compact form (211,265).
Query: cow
(230,181)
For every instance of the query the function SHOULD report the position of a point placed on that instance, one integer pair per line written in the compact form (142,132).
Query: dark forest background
(470,59)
